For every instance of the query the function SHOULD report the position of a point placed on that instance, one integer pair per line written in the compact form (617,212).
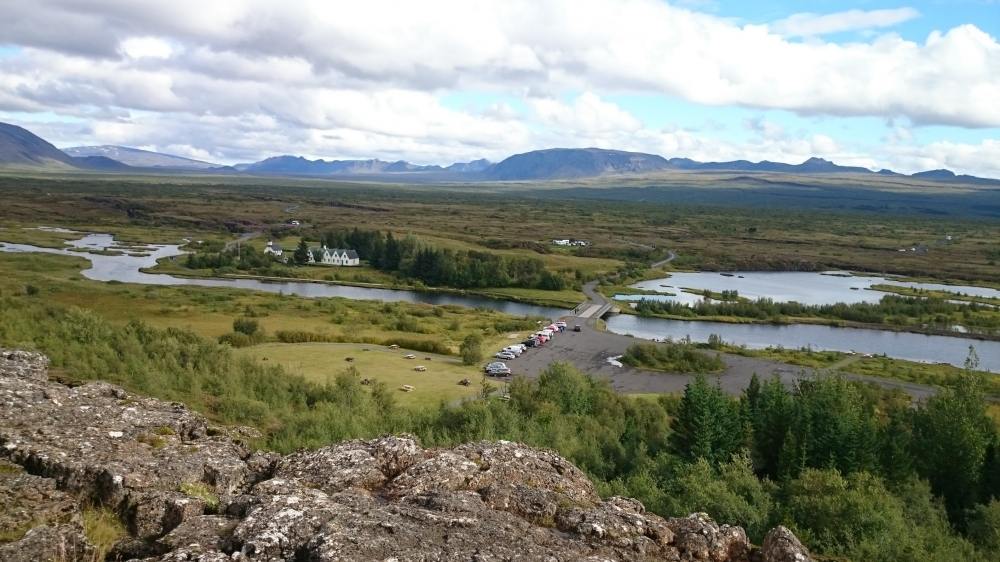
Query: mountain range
(20,148)
(139,158)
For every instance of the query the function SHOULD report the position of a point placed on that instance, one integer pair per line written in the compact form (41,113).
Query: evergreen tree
(951,437)
(301,255)
(771,418)
(707,424)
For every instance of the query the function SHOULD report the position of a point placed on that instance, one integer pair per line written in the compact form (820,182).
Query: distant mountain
(100,163)
(563,163)
(19,148)
(945,175)
(23,149)
(473,167)
(810,166)
(140,158)
(297,165)
(403,166)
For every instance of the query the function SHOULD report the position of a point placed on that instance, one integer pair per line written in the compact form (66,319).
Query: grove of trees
(465,269)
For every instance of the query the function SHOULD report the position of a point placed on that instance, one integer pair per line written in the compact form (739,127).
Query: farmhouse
(273,249)
(335,256)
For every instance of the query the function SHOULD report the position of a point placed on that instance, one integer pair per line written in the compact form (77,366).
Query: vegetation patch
(103,529)
(672,357)
(203,492)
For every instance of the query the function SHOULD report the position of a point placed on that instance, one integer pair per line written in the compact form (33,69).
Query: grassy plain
(210,311)
(321,362)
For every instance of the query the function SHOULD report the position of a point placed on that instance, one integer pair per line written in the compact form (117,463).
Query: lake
(785,286)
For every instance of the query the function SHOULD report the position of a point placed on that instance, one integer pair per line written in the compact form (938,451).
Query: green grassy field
(321,362)
(210,311)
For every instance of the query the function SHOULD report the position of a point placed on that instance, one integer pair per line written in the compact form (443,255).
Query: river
(916,347)
(126,269)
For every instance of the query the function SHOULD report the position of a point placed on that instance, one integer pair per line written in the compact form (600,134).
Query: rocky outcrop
(781,545)
(188,491)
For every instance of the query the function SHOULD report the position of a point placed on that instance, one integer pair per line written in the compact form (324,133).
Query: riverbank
(816,321)
(566,299)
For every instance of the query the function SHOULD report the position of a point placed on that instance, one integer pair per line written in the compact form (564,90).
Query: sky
(908,86)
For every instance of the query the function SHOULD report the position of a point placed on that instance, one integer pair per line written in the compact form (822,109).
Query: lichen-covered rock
(28,501)
(189,492)
(25,364)
(65,543)
(781,545)
(698,537)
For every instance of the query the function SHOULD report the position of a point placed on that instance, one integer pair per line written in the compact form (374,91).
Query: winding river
(127,266)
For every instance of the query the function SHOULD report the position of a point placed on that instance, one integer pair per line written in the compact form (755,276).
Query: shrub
(671,357)
(471,349)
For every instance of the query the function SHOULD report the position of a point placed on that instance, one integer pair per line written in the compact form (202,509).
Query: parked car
(497,369)
(530,342)
(515,349)
(506,355)
(409,356)
(561,324)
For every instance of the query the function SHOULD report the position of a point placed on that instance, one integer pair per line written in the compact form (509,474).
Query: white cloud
(140,47)
(554,46)
(813,25)
(241,79)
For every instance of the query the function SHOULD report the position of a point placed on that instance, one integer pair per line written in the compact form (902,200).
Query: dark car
(577,328)
(530,342)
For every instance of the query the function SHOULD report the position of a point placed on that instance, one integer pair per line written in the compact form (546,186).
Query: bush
(299,336)
(471,349)
(671,357)
(246,326)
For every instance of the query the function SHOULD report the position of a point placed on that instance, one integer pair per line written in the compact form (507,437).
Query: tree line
(441,267)
(891,309)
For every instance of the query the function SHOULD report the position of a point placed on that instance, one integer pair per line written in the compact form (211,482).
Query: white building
(570,242)
(335,256)
(273,249)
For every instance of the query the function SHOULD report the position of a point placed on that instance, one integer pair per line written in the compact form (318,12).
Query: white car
(506,355)
(516,350)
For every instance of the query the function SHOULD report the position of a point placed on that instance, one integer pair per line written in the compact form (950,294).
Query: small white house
(273,249)
(335,256)
(570,242)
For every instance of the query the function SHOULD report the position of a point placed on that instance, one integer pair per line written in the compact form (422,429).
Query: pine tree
(301,255)
(951,438)
(707,424)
